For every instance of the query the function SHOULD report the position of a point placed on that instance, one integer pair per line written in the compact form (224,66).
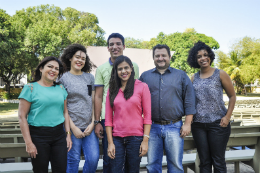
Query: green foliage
(178,42)
(181,43)
(242,63)
(9,96)
(36,32)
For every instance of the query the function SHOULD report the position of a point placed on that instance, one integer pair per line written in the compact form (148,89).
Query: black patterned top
(209,98)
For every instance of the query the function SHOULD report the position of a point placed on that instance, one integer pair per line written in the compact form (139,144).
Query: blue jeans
(90,148)
(127,154)
(165,137)
(211,141)
(106,159)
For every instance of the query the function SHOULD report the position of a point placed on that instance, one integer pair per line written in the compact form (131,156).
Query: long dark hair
(115,81)
(45,60)
(68,54)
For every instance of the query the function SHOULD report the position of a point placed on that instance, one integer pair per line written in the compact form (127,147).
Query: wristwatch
(96,122)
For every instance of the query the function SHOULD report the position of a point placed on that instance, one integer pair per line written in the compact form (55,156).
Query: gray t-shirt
(79,100)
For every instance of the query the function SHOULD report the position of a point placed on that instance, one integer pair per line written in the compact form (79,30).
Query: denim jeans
(165,137)
(127,154)
(90,148)
(211,141)
(106,159)
(51,145)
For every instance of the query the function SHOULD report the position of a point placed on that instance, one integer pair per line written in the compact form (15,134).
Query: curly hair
(192,58)
(45,60)
(115,81)
(70,51)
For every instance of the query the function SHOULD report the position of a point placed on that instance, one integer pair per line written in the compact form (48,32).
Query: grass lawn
(248,95)
(8,108)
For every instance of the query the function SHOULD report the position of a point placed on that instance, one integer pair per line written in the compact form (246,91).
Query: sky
(226,21)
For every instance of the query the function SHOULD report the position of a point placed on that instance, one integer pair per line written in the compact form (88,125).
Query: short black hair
(68,54)
(192,58)
(116,35)
(162,46)
(45,60)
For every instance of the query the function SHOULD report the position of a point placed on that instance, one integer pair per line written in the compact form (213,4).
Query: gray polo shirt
(79,100)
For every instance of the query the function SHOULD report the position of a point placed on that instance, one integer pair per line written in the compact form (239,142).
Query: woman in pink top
(127,130)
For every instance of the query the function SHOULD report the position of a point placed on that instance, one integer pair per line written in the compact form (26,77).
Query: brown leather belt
(162,122)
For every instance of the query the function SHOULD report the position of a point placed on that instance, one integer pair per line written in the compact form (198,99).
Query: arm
(91,126)
(189,105)
(67,125)
(111,150)
(186,128)
(97,110)
(144,144)
(228,87)
(24,107)
(146,105)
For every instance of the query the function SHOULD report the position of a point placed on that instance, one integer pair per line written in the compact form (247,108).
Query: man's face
(161,59)
(115,47)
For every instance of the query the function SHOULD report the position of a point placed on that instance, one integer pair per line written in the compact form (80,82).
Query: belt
(162,122)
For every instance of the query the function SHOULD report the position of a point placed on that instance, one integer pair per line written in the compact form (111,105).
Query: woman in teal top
(45,103)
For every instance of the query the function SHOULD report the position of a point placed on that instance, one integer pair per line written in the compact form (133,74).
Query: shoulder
(140,84)
(135,64)
(222,74)
(105,65)
(147,72)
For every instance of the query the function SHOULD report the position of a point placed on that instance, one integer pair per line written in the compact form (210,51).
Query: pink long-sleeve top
(128,119)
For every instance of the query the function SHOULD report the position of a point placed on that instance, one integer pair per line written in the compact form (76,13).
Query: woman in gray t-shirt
(210,127)
(79,84)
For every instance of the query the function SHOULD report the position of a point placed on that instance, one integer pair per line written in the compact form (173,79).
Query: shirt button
(161,98)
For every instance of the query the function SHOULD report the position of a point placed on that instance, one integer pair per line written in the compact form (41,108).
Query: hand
(69,142)
(77,132)
(224,121)
(99,130)
(185,130)
(89,129)
(143,148)
(31,150)
(111,151)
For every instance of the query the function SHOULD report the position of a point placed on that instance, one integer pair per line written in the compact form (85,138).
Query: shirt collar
(110,62)
(169,69)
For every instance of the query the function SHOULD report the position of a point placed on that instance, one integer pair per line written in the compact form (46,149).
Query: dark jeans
(211,141)
(127,154)
(51,146)
(106,159)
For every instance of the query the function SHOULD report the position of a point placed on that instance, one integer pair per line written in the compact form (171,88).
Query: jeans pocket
(138,138)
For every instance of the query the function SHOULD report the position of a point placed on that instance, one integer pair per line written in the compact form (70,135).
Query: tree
(13,59)
(242,63)
(181,43)
(46,30)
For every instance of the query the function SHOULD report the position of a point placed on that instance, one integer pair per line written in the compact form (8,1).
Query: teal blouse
(47,104)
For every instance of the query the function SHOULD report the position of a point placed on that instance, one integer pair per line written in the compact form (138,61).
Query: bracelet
(147,136)
(68,133)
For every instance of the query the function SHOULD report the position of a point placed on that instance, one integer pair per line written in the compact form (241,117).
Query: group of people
(64,111)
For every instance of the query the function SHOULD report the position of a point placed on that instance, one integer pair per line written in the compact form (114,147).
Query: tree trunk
(7,87)
(245,90)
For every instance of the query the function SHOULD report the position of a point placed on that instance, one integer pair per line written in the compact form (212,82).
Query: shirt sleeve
(146,104)
(26,92)
(109,112)
(65,93)
(136,68)
(93,82)
(99,78)
(188,96)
